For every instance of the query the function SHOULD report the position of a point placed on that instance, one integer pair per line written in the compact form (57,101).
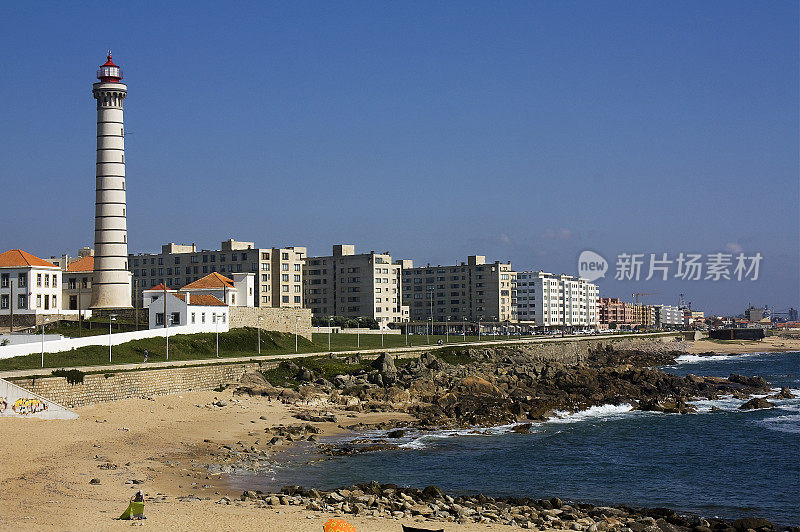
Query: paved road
(257,358)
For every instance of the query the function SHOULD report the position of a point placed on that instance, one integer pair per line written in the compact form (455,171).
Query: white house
(30,288)
(188,309)
(238,292)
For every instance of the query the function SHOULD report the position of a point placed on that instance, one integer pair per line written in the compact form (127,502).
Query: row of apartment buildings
(371,285)
(375,285)
(614,313)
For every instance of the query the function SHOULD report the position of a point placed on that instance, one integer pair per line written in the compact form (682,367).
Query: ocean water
(727,463)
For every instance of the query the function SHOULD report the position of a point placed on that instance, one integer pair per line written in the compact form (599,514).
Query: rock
(305,375)
(220,403)
(756,403)
(753,523)
(523,428)
(785,393)
(250,494)
(94,481)
(752,382)
(431,493)
(397,433)
(385,366)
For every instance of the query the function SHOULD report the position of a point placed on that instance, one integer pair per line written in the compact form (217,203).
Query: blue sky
(525,131)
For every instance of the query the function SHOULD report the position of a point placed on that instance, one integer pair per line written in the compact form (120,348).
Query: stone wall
(22,321)
(99,388)
(273,319)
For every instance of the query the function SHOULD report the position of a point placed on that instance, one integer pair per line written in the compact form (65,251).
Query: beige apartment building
(471,291)
(278,271)
(354,285)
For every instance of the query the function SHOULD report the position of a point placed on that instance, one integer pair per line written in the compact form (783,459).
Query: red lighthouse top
(109,72)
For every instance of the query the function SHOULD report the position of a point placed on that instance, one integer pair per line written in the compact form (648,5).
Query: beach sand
(729,347)
(46,471)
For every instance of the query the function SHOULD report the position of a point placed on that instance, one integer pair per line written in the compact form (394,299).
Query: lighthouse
(111,282)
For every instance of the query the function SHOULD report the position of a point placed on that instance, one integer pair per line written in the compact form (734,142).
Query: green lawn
(236,343)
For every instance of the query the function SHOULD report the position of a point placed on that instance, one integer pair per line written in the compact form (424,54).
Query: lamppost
(464,328)
(330,326)
(407,332)
(358,333)
(259,335)
(110,319)
(381,336)
(216,329)
(447,330)
(428,332)
(479,328)
(430,288)
(42,340)
(296,325)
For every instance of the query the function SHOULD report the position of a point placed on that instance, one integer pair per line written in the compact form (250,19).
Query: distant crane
(682,303)
(637,294)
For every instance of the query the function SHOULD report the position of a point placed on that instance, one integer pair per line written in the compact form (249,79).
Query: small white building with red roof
(30,289)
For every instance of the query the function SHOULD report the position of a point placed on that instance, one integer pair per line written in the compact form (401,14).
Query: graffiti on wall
(26,405)
(3,404)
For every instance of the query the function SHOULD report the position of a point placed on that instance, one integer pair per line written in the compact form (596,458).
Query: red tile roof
(160,287)
(16,258)
(212,280)
(201,300)
(84,264)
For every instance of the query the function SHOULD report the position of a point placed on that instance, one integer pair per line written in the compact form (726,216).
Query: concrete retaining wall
(273,319)
(100,388)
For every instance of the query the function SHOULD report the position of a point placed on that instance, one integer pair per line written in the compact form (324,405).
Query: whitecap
(697,359)
(789,423)
(602,413)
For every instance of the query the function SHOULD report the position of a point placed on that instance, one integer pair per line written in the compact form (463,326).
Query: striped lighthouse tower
(111,282)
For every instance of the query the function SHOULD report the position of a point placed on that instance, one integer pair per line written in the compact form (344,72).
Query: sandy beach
(46,486)
(728,347)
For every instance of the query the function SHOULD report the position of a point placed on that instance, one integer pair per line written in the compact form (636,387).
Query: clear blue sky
(525,131)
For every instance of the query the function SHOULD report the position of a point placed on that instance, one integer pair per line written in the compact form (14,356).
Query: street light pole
(427,332)
(479,329)
(447,330)
(110,319)
(259,335)
(43,342)
(464,328)
(216,326)
(296,325)
(330,320)
(358,333)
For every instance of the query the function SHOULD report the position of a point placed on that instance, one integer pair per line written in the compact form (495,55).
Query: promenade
(109,368)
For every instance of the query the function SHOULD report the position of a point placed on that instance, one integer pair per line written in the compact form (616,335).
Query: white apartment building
(668,316)
(354,285)
(30,288)
(556,301)
(278,272)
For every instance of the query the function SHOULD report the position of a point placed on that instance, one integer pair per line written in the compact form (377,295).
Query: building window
(55,303)
(193,315)
(159,318)
(4,301)
(5,280)
(22,301)
(202,317)
(285,299)
(85,282)
(38,280)
(22,280)
(176,318)
(297,299)
(297,267)
(38,300)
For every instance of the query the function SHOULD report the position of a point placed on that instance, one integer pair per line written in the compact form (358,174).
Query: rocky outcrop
(757,403)
(433,505)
